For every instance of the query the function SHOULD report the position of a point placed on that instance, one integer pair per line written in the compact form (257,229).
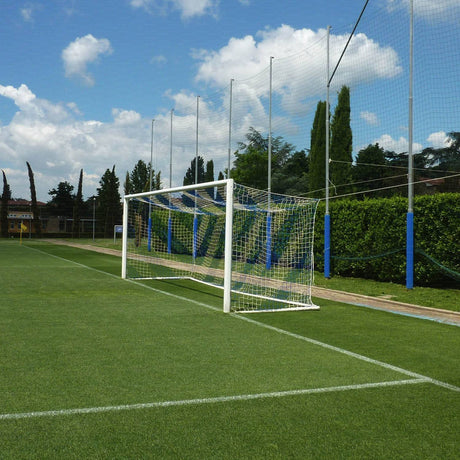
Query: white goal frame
(227,186)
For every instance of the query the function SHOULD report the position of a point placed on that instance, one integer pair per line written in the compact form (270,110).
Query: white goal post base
(256,246)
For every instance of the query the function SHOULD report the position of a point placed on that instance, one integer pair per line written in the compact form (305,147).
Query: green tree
(140,177)
(77,208)
(221,176)
(251,161)
(62,201)
(33,199)
(292,177)
(317,156)
(109,201)
(6,196)
(127,186)
(370,166)
(209,174)
(341,141)
(189,177)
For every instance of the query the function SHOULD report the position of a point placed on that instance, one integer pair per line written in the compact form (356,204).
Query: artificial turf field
(93,366)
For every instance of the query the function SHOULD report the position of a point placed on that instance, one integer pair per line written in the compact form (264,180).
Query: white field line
(199,401)
(275,329)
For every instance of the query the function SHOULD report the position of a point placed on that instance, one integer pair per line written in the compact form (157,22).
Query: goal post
(256,247)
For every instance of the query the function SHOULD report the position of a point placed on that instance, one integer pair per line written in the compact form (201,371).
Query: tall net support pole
(170,181)
(124,239)
(327,217)
(149,242)
(410,175)
(230,128)
(269,188)
(195,217)
(228,247)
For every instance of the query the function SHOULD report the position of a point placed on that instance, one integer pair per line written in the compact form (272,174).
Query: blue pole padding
(169,234)
(195,236)
(410,251)
(327,246)
(269,242)
(149,240)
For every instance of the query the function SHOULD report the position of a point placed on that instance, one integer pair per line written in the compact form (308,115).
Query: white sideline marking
(195,402)
(275,329)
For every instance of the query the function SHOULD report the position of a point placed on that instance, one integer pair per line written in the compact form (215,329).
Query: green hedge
(368,238)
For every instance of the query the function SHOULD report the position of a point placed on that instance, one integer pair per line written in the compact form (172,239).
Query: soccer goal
(256,246)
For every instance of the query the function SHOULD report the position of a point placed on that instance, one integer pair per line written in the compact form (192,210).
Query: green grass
(74,335)
(447,299)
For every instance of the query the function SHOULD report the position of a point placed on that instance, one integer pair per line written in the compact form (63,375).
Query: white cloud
(433,10)
(400,145)
(439,140)
(159,60)
(299,64)
(187,8)
(58,145)
(82,51)
(369,117)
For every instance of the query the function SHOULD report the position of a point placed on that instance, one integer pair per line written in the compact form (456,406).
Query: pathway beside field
(436,314)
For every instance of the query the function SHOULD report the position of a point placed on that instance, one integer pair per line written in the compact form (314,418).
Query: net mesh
(181,234)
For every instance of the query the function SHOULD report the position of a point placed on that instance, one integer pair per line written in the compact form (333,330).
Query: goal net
(256,246)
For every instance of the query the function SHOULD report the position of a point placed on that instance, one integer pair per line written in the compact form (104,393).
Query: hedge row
(368,239)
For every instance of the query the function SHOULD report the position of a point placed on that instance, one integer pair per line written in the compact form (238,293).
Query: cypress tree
(78,203)
(341,141)
(33,196)
(6,196)
(316,175)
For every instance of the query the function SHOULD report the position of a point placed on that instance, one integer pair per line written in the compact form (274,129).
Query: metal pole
(195,218)
(270,133)
(410,175)
(268,262)
(151,157)
(170,185)
(327,217)
(149,229)
(230,129)
(196,146)
(94,217)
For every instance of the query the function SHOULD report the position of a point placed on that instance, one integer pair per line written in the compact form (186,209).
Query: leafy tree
(367,168)
(221,176)
(33,197)
(109,201)
(189,177)
(140,176)
(341,140)
(251,161)
(139,179)
(127,186)
(446,158)
(209,174)
(292,178)
(6,196)
(317,157)
(62,201)
(77,208)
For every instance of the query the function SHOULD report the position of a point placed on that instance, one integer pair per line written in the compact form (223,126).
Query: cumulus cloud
(81,52)
(439,140)
(299,64)
(433,10)
(369,117)
(400,145)
(187,8)
(58,145)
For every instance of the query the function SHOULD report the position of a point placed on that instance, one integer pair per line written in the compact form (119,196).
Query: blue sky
(81,80)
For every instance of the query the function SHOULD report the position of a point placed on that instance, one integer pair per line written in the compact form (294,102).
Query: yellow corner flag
(23,227)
